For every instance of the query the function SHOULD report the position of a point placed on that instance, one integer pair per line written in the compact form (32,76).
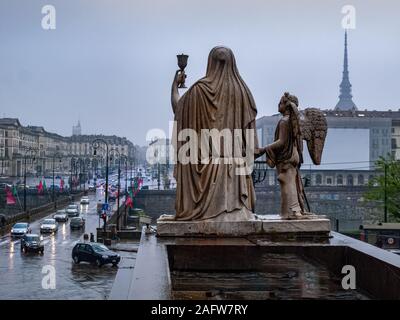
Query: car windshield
(72,206)
(32,238)
(99,247)
(60,212)
(20,225)
(49,221)
(76,219)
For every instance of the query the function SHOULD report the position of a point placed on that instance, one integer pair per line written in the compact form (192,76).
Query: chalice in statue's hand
(182,63)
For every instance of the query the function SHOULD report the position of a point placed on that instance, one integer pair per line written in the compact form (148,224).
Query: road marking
(3,242)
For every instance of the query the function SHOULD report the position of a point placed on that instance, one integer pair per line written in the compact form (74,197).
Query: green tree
(377,186)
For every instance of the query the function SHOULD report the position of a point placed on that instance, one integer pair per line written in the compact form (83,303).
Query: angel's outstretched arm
(283,133)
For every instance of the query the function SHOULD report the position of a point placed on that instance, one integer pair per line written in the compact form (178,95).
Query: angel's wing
(314,128)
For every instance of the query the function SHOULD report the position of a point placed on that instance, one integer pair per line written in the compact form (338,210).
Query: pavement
(23,274)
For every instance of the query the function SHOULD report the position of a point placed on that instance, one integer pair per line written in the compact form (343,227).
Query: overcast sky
(111,63)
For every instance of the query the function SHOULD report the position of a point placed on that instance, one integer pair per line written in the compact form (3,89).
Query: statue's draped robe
(220,100)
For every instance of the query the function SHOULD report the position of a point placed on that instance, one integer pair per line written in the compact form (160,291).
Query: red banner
(10,199)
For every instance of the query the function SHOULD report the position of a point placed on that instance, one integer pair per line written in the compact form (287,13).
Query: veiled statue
(221,100)
(286,152)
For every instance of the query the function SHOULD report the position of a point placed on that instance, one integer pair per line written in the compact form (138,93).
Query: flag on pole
(40,187)
(44,185)
(61,185)
(14,191)
(138,184)
(10,199)
(128,201)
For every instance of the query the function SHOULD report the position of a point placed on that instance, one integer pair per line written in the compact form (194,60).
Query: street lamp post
(70,179)
(126,184)
(385,195)
(59,156)
(119,183)
(2,160)
(76,164)
(96,145)
(80,164)
(86,172)
(30,151)
(78,174)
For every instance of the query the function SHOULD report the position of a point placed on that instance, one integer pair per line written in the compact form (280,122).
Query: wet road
(21,274)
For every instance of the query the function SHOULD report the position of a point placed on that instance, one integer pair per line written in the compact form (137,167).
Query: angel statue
(286,152)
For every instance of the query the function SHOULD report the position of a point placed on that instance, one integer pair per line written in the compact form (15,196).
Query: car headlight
(27,244)
(104,257)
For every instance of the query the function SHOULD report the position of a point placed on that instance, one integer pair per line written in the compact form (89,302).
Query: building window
(328,180)
(340,179)
(350,180)
(318,179)
(361,180)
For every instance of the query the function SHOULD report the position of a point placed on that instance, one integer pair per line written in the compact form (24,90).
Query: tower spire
(345,98)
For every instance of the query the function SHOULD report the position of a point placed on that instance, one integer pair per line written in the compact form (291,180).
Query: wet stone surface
(21,275)
(282,277)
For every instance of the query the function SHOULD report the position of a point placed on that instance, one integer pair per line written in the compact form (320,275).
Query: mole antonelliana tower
(77,130)
(345,98)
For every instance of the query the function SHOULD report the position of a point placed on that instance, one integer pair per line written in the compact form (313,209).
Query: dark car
(94,253)
(77,223)
(32,242)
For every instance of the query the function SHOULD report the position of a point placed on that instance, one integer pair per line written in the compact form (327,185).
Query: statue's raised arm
(178,79)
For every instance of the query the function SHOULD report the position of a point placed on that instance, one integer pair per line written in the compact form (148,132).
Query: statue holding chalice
(182,63)
(219,101)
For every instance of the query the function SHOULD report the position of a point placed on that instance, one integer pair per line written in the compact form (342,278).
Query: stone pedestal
(261,225)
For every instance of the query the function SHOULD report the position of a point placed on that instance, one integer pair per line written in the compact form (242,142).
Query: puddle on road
(73,282)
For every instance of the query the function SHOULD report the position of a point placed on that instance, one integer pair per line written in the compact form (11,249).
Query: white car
(61,216)
(20,229)
(49,226)
(72,210)
(85,200)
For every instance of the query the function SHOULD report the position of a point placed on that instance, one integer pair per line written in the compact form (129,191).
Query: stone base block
(262,225)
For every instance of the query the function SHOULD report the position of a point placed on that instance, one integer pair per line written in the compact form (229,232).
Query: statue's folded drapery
(220,100)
